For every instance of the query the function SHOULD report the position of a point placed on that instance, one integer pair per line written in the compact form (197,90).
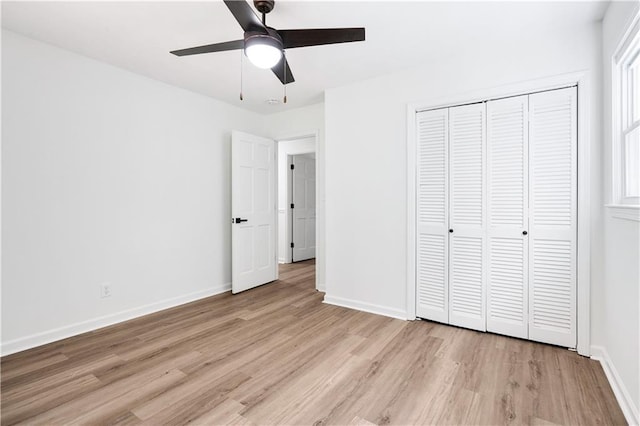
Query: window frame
(623,121)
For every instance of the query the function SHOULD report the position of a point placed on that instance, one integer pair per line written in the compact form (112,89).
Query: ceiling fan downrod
(264,7)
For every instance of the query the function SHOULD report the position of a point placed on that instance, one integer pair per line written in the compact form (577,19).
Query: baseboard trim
(366,307)
(627,404)
(39,339)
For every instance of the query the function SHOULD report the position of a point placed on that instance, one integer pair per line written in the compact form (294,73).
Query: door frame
(583,81)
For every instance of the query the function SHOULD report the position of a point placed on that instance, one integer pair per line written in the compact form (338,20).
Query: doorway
(296,199)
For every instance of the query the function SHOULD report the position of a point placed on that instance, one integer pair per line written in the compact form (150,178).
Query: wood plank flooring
(278,355)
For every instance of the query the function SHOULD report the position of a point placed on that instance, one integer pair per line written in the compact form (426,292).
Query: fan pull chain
(241,69)
(284,64)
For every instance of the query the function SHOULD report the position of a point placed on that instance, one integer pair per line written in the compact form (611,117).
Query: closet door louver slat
(432,216)
(467,216)
(552,203)
(507,146)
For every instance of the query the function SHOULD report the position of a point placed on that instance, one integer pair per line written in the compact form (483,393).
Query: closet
(496,216)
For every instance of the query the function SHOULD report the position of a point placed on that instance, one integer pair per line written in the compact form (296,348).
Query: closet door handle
(451,231)
(524,232)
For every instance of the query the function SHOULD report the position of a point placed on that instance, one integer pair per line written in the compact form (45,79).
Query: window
(626,132)
(631,129)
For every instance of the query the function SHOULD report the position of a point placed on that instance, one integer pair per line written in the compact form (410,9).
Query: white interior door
(304,207)
(507,202)
(467,216)
(432,281)
(552,216)
(253,209)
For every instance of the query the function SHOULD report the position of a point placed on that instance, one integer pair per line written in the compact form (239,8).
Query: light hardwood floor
(278,355)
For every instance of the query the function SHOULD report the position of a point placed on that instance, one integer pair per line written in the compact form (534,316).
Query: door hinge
(291,205)
(293,167)
(291,245)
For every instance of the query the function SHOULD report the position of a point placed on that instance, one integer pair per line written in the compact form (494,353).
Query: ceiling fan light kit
(265,46)
(263,50)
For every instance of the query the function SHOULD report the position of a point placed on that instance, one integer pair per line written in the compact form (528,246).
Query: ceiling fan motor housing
(264,6)
(271,38)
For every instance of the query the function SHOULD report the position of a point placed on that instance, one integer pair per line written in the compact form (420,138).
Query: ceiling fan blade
(279,71)
(209,48)
(315,37)
(245,16)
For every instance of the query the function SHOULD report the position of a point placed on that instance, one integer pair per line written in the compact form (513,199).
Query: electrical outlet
(105,290)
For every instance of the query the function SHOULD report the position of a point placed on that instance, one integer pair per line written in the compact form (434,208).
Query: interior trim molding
(53,335)
(365,307)
(629,409)
(624,212)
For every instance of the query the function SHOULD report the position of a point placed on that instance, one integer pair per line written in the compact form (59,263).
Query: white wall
(297,123)
(107,176)
(286,148)
(616,318)
(110,177)
(365,153)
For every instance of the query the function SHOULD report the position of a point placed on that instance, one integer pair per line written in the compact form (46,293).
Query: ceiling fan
(264,46)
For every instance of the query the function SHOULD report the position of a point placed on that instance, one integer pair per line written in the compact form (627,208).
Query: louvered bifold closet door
(432,215)
(467,216)
(507,216)
(552,216)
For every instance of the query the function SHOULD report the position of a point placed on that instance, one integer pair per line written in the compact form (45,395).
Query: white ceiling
(138,36)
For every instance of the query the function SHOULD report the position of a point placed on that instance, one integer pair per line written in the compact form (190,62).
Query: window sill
(625,212)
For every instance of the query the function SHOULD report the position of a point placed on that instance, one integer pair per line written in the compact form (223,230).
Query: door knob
(451,230)
(238,220)
(524,232)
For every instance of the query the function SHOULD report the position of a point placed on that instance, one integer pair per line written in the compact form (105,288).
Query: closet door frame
(583,81)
